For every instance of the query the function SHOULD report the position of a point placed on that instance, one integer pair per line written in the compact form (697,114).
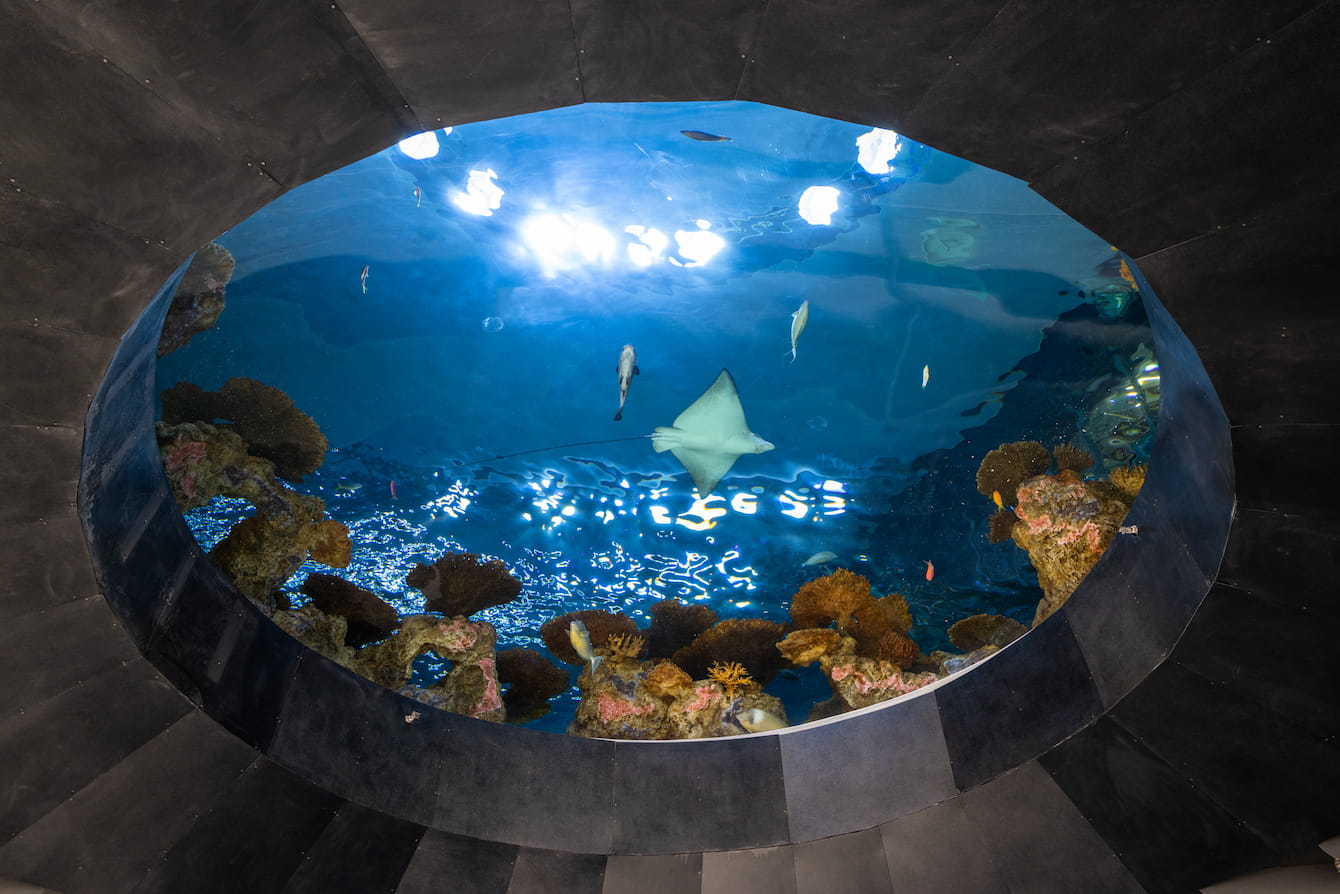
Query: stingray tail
(664,438)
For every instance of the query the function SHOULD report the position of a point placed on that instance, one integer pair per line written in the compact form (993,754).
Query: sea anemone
(459,584)
(1068,456)
(833,597)
(1001,525)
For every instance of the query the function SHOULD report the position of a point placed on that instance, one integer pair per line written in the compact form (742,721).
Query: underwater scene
(666,420)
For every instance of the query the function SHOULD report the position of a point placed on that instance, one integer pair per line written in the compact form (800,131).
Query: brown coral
(459,584)
(896,648)
(623,647)
(369,618)
(974,632)
(750,641)
(600,626)
(666,680)
(730,676)
(830,598)
(530,678)
(1001,525)
(261,415)
(675,624)
(802,647)
(1128,480)
(1070,457)
(1003,469)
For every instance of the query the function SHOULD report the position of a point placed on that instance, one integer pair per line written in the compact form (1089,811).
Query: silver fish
(581,643)
(800,318)
(363,279)
(822,558)
(703,136)
(627,368)
(757,720)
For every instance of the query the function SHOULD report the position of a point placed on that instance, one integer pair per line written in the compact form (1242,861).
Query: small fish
(703,136)
(393,495)
(1129,529)
(627,368)
(995,498)
(757,720)
(348,487)
(925,375)
(800,318)
(363,279)
(822,558)
(1126,274)
(418,197)
(581,644)
(930,570)
(412,716)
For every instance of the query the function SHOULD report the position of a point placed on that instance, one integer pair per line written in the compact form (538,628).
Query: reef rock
(199,298)
(868,681)
(471,687)
(1065,524)
(459,584)
(317,631)
(804,647)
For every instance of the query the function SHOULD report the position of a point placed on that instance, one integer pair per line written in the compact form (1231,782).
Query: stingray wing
(705,467)
(717,414)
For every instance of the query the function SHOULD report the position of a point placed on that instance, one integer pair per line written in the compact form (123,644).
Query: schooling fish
(930,570)
(627,368)
(703,136)
(581,643)
(363,279)
(925,375)
(800,318)
(822,558)
(757,720)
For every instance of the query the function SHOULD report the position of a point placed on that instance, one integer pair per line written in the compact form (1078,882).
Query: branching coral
(459,584)
(675,624)
(623,647)
(731,675)
(749,641)
(1128,480)
(261,415)
(974,632)
(369,618)
(1068,456)
(1003,469)
(600,626)
(833,597)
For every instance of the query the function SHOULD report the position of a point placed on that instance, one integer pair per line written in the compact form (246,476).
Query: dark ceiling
(1196,137)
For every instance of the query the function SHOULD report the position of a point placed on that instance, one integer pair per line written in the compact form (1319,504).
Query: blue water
(485,335)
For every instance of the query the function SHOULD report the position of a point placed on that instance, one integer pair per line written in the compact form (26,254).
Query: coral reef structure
(600,626)
(1003,469)
(1128,480)
(828,599)
(199,298)
(317,630)
(675,624)
(368,617)
(752,642)
(1068,456)
(530,680)
(731,676)
(985,630)
(459,584)
(622,647)
(262,415)
(879,627)
(471,687)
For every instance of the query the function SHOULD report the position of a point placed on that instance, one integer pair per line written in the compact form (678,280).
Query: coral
(1003,469)
(985,630)
(1065,524)
(1128,480)
(459,584)
(530,678)
(261,415)
(802,647)
(666,680)
(623,647)
(750,641)
(1070,457)
(317,631)
(896,648)
(199,298)
(867,681)
(369,618)
(600,626)
(471,686)
(675,624)
(1001,525)
(830,598)
(730,675)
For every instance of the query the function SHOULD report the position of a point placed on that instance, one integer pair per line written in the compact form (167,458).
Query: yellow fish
(925,375)
(995,498)
(1127,275)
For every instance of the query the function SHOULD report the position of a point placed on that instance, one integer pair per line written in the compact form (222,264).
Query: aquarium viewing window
(666,420)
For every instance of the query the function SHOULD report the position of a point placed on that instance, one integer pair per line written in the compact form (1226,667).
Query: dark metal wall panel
(48,374)
(46,564)
(474,59)
(859,60)
(251,840)
(768,870)
(937,848)
(540,871)
(114,830)
(1288,468)
(663,49)
(669,874)
(853,863)
(360,850)
(1292,560)
(444,862)
(1242,141)
(39,475)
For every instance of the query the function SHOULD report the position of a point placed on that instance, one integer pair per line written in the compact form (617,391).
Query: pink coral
(180,460)
(705,694)
(492,698)
(612,708)
(895,683)
(459,635)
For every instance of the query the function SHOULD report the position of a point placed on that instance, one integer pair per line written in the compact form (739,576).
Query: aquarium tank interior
(666,420)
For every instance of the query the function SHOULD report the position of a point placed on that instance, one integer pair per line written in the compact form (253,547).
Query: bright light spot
(661,515)
(422,145)
(834,505)
(745,504)
(875,149)
(482,196)
(569,511)
(818,204)
(794,507)
(649,247)
(560,243)
(698,246)
(703,224)
(526,516)
(745,604)
(834,487)
(702,516)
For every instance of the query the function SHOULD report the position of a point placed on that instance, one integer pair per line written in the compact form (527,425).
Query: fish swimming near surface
(710,435)
(925,375)
(930,570)
(800,318)
(757,720)
(822,558)
(627,368)
(418,197)
(703,136)
(363,279)
(581,644)
(393,495)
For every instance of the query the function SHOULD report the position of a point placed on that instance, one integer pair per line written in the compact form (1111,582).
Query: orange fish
(1127,275)
(930,570)
(393,496)
(995,498)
